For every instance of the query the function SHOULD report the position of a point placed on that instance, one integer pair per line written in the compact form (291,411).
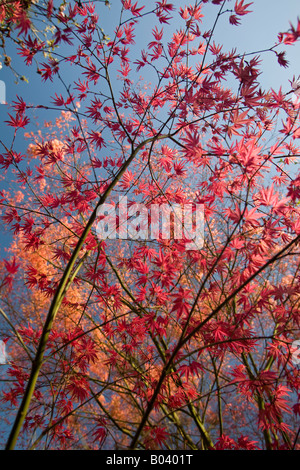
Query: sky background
(258,30)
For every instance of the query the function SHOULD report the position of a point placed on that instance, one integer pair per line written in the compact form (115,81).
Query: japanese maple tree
(143,343)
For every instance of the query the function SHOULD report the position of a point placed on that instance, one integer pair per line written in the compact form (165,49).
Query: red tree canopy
(125,330)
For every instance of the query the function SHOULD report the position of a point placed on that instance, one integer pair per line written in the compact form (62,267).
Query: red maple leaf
(181,305)
(233,19)
(157,436)
(23,23)
(281,59)
(193,368)
(12,267)
(100,435)
(241,9)
(19,121)
(78,387)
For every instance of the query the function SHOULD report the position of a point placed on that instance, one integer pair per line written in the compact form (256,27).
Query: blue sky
(257,30)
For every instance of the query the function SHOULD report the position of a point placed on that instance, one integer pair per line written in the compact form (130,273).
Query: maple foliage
(142,343)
